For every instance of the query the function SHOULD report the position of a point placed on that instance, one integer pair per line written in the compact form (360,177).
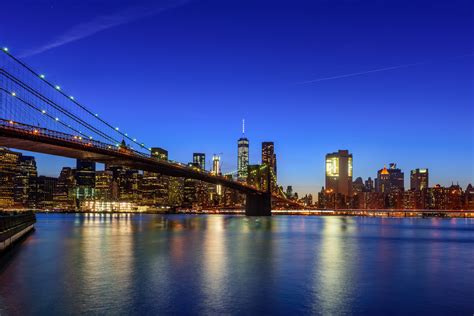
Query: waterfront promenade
(13,226)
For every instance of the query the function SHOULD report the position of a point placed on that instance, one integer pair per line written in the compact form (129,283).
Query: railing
(88,143)
(41,131)
(12,220)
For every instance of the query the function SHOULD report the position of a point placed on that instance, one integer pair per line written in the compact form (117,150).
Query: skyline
(424,107)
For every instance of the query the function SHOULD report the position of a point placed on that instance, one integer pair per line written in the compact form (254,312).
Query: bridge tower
(260,204)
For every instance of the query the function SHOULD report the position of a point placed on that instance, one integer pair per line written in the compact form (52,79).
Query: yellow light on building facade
(349,166)
(332,167)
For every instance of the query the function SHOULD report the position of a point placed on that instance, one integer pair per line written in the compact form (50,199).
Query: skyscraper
(8,170)
(242,155)
(389,180)
(85,179)
(369,185)
(382,182)
(63,194)
(339,172)
(25,181)
(419,179)
(199,159)
(397,177)
(216,165)
(46,186)
(216,169)
(269,157)
(159,153)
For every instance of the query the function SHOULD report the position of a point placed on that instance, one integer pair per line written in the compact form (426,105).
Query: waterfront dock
(13,226)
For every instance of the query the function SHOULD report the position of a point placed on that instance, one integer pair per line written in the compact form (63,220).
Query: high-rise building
(85,173)
(155,187)
(105,185)
(242,156)
(391,179)
(419,179)
(369,185)
(216,170)
(216,165)
(175,191)
(289,192)
(339,172)
(382,182)
(8,171)
(269,156)
(159,153)
(46,189)
(358,185)
(397,177)
(64,197)
(25,182)
(85,180)
(199,159)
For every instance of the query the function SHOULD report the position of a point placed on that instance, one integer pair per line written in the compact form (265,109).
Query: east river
(218,264)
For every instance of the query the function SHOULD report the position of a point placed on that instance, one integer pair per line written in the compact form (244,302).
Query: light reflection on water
(181,264)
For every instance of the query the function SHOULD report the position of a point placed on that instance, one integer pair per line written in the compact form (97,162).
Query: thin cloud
(99,24)
(354,74)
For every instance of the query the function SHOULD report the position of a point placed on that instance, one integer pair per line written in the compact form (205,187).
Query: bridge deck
(26,137)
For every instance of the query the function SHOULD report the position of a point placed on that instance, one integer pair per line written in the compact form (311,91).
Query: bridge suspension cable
(13,94)
(73,100)
(57,107)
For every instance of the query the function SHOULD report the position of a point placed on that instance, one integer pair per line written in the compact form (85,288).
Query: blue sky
(392,81)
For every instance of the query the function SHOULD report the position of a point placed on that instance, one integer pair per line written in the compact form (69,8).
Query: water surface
(193,264)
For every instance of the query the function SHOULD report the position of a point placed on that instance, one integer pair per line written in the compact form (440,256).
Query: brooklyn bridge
(37,115)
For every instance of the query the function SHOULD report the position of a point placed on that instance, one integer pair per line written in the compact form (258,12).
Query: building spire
(243,126)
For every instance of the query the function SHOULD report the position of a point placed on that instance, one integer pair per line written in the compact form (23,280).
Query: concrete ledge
(17,234)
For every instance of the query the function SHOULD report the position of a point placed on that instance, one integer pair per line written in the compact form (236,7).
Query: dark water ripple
(206,265)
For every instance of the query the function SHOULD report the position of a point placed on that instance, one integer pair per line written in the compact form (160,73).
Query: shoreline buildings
(388,191)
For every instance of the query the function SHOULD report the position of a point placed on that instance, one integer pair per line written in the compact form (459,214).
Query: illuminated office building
(382,182)
(63,194)
(419,179)
(159,153)
(46,187)
(391,179)
(85,180)
(216,170)
(8,170)
(104,186)
(242,156)
(25,182)
(216,165)
(85,173)
(339,172)
(199,159)
(269,156)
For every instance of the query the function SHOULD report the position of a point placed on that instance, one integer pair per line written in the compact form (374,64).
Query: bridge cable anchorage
(73,100)
(57,107)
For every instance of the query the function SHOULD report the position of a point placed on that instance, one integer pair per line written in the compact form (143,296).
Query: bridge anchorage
(38,116)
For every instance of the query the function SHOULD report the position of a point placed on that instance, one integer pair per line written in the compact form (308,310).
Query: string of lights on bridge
(80,136)
(72,99)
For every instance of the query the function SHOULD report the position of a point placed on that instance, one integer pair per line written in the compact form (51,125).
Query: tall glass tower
(242,155)
(200,160)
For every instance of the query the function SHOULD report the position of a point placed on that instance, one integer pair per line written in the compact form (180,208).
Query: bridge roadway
(41,140)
